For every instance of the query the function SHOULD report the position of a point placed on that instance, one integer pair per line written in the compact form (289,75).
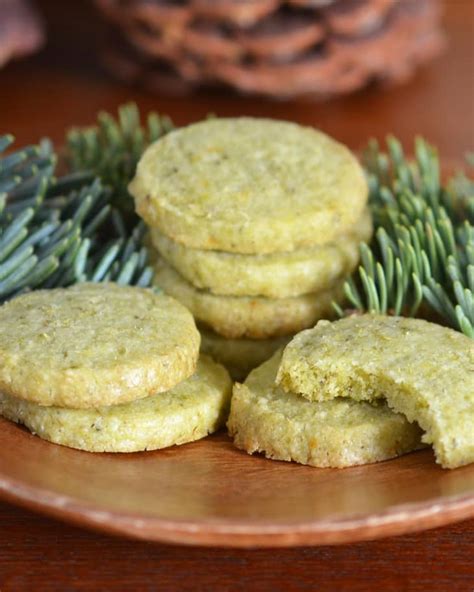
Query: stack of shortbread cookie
(257,223)
(357,391)
(103,367)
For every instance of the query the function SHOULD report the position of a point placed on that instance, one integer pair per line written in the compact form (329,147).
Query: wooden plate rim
(399,519)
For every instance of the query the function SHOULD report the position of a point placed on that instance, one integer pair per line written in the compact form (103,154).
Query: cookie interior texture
(244,316)
(189,411)
(94,344)
(249,185)
(337,433)
(424,371)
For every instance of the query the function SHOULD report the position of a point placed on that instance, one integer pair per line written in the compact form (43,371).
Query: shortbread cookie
(424,370)
(94,344)
(189,411)
(241,316)
(239,356)
(249,185)
(338,433)
(274,275)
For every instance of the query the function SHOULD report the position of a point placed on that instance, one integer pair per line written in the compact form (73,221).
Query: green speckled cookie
(339,433)
(243,316)
(274,275)
(189,411)
(94,344)
(249,185)
(425,371)
(239,356)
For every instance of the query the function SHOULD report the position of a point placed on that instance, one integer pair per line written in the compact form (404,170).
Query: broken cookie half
(337,433)
(423,370)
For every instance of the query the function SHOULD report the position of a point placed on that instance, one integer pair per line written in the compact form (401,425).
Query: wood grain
(65,85)
(46,556)
(210,493)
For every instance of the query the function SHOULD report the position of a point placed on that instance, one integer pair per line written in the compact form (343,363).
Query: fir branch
(52,231)
(422,253)
(112,148)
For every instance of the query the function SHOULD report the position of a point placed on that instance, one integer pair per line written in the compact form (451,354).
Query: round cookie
(424,370)
(189,411)
(249,185)
(241,316)
(239,356)
(274,275)
(94,344)
(339,433)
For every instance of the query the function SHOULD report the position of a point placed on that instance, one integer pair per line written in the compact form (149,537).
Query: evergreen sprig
(422,253)
(55,232)
(59,231)
(112,148)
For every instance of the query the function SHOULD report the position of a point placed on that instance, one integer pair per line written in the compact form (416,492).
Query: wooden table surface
(65,85)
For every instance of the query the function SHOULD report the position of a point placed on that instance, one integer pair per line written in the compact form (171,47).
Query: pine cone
(21,30)
(277,48)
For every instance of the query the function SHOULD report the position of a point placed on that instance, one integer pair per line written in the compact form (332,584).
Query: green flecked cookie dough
(243,316)
(189,411)
(239,356)
(274,275)
(94,344)
(424,370)
(338,433)
(249,185)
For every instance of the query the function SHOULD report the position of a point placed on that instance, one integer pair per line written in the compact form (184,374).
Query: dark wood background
(65,85)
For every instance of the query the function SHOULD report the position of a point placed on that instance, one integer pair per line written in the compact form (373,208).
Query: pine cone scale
(358,19)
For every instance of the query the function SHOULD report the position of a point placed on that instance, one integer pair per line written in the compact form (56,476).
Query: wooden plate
(209,493)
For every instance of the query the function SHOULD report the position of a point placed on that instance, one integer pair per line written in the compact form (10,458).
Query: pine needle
(422,252)
(111,150)
(52,230)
